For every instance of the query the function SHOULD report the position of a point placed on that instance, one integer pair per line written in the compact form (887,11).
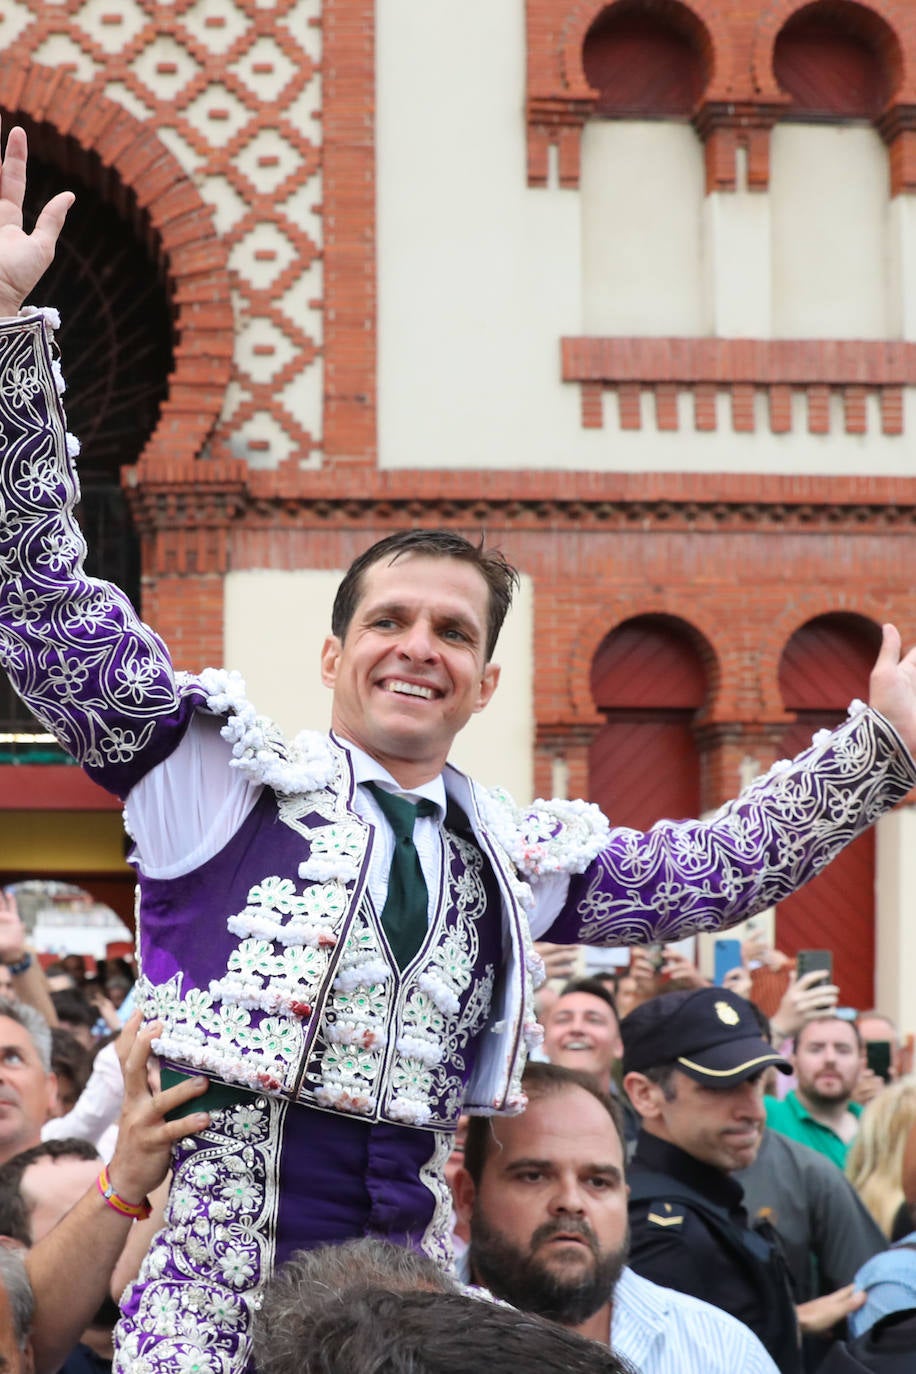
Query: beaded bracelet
(138,1210)
(21,965)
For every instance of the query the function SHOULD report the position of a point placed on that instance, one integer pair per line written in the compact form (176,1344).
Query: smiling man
(545,1198)
(581,1030)
(337,929)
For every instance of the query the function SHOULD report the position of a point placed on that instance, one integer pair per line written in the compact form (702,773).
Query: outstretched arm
(62,1262)
(74,648)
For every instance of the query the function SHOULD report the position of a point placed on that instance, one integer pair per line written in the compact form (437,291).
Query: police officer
(693,1067)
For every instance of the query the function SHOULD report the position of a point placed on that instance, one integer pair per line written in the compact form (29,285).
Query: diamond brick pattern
(229,91)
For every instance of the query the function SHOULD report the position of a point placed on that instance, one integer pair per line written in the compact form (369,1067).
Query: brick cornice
(206,503)
(705,366)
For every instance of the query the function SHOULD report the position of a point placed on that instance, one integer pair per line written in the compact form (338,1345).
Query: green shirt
(790,1117)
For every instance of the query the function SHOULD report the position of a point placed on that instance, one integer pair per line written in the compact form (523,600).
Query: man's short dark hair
(594,987)
(73,1007)
(828,1016)
(498,573)
(14,1215)
(71,1063)
(539,1081)
(373,1331)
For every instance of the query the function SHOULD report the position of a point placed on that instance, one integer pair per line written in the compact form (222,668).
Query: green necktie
(405,915)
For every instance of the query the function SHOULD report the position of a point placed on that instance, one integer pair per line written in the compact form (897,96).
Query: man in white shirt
(546,1199)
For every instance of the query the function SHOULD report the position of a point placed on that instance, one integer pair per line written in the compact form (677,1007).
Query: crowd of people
(665,1203)
(337,950)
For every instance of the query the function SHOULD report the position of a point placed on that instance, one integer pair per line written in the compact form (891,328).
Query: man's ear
(53,1096)
(487,685)
(464,1193)
(645,1095)
(330,657)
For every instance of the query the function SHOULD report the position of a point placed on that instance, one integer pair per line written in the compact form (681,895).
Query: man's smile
(410,689)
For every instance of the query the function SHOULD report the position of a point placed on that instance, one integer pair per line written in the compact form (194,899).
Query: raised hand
(893,687)
(143,1153)
(12,930)
(24,258)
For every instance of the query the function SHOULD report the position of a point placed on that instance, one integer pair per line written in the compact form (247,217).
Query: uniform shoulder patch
(669,1215)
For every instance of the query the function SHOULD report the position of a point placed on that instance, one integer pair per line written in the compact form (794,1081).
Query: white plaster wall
(736,264)
(642,228)
(895,929)
(478,276)
(276,622)
(829,202)
(901,284)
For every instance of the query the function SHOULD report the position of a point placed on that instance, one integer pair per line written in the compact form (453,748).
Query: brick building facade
(632,286)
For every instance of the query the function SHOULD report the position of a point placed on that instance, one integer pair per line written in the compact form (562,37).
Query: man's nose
(750,1102)
(567,1198)
(417,641)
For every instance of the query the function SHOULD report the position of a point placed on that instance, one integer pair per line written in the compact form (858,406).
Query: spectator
(62,1262)
(28,1089)
(874,1164)
(76,1014)
(94,1117)
(71,1064)
(16,1311)
(702,1118)
(875,1027)
(40,1185)
(37,1189)
(582,1030)
(820,1111)
(805,999)
(373,1331)
(544,1195)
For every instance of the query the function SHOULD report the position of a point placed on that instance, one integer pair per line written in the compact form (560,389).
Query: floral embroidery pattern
(437,1238)
(191,1306)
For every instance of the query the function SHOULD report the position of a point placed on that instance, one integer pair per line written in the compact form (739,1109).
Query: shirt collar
(368,769)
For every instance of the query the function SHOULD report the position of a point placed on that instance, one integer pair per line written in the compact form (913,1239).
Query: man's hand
(144,1150)
(805,999)
(820,1315)
(868,1086)
(12,930)
(24,258)
(559,960)
(893,687)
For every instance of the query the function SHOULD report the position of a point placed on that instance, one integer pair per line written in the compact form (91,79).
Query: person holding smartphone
(820,1111)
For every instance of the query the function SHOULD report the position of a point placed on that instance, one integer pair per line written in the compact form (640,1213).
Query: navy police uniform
(689,1228)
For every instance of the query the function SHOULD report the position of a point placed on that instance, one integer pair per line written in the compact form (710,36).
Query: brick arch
(704,630)
(777,15)
(781,628)
(195,259)
(581,14)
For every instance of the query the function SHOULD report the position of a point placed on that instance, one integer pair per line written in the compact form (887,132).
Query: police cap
(711,1034)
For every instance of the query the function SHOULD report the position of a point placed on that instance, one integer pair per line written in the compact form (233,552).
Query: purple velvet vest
(296,994)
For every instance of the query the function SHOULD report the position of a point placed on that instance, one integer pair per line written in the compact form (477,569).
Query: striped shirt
(661,1331)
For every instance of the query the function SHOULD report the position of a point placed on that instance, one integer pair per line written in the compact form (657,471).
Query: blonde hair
(874,1165)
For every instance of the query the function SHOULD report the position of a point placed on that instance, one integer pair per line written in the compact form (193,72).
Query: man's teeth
(411,689)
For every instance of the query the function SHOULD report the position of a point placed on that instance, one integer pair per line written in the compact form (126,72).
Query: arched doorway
(824,666)
(649,678)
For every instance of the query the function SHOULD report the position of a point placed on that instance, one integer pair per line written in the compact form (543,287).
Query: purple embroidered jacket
(268,965)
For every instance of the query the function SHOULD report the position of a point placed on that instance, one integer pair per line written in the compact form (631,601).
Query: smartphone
(656,953)
(878,1057)
(727,955)
(814,960)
